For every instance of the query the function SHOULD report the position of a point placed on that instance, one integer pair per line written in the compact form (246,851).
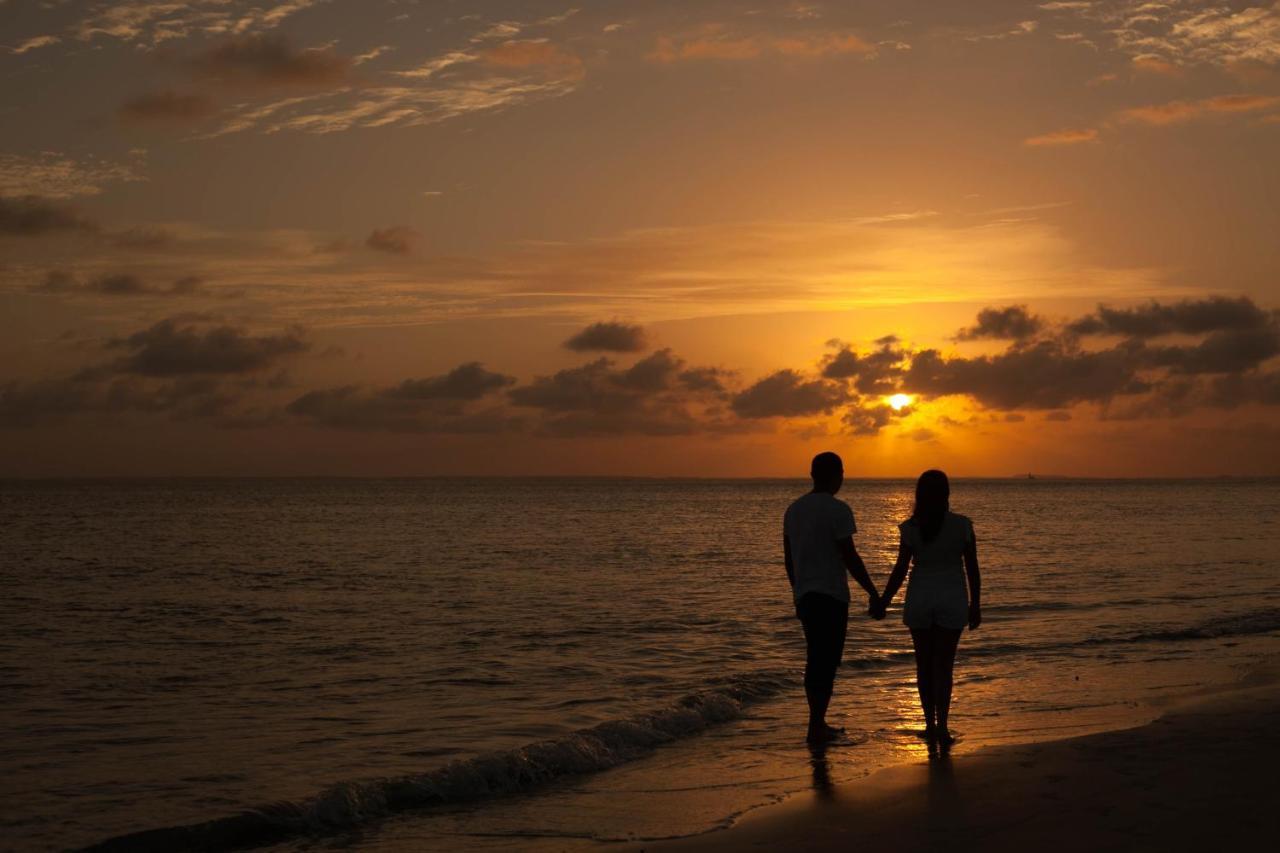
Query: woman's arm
(975,583)
(899,573)
(786,560)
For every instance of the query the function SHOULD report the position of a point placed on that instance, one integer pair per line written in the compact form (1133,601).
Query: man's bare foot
(944,737)
(825,734)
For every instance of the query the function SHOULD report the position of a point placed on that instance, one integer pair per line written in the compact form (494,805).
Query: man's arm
(857,569)
(786,559)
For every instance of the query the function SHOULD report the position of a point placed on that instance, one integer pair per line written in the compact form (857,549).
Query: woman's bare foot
(825,734)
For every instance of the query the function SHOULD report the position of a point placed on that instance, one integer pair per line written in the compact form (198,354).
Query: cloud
(786,393)
(1177,112)
(1235,339)
(40,402)
(58,176)
(115,284)
(1059,138)
(1045,375)
(32,216)
(469,381)
(398,239)
(717,42)
(171,368)
(537,55)
(167,106)
(1014,323)
(1156,65)
(452,84)
(170,349)
(151,23)
(370,55)
(269,61)
(143,238)
(434,404)
(1184,33)
(608,337)
(1231,351)
(1186,317)
(656,395)
(869,419)
(875,372)
(33,43)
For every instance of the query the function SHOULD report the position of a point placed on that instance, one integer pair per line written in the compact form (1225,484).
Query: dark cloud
(787,393)
(58,281)
(1014,323)
(119,284)
(168,349)
(1046,375)
(33,404)
(434,404)
(269,61)
(1057,416)
(652,373)
(28,404)
(1188,317)
(398,239)
(710,379)
(869,419)
(167,106)
(1228,392)
(32,215)
(469,381)
(116,284)
(143,238)
(608,337)
(877,372)
(655,396)
(1229,351)
(595,386)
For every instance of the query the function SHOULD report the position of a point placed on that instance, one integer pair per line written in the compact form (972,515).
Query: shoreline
(1192,779)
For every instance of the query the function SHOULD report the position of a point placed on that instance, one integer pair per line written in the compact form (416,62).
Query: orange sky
(639,238)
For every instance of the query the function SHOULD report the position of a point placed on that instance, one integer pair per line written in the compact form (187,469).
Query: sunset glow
(402,238)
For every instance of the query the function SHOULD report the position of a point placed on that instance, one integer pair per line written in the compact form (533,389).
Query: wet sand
(1200,778)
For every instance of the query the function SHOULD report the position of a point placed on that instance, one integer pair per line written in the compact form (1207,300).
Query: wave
(347,805)
(1238,625)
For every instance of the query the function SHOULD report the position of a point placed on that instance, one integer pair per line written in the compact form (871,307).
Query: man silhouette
(817,547)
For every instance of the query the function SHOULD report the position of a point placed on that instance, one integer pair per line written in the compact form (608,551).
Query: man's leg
(825,622)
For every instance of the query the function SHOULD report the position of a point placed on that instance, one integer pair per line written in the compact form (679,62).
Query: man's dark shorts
(825,620)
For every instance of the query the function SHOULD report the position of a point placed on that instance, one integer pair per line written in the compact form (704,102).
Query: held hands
(975,616)
(876,607)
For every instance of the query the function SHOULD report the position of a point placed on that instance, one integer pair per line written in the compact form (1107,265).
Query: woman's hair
(933,497)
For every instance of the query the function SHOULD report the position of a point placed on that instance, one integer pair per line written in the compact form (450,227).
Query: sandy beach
(1199,778)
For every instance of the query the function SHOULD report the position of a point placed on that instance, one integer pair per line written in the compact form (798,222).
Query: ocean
(554,663)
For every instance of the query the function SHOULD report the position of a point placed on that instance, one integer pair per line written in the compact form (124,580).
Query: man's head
(827,472)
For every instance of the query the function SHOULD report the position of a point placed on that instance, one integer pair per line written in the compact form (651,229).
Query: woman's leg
(922,640)
(945,641)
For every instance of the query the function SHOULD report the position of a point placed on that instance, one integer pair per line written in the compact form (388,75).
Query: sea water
(508,664)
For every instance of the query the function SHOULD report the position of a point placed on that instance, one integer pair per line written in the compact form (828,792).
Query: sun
(900,401)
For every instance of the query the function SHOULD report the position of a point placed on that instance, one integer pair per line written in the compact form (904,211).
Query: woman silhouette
(941,545)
